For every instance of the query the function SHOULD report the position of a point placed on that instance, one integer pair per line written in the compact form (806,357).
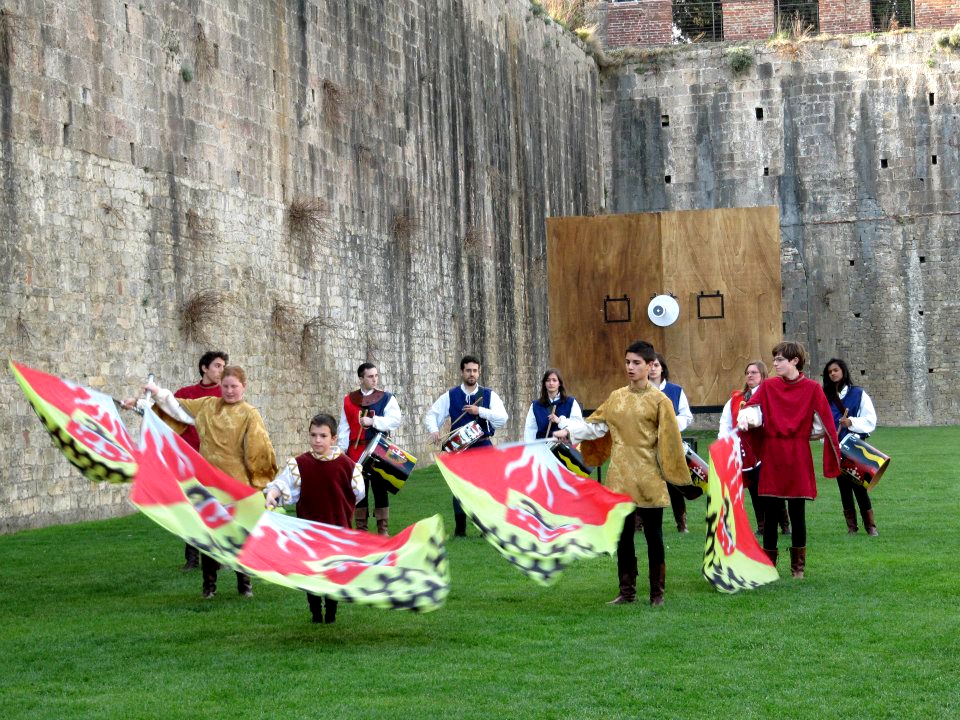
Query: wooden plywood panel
(589,259)
(735,252)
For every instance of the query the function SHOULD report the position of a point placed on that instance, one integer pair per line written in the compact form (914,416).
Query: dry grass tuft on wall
(403,227)
(308,216)
(333,105)
(283,320)
(201,309)
(204,54)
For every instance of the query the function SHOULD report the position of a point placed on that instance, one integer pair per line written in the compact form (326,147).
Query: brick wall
(642,23)
(844,16)
(649,22)
(936,13)
(747,19)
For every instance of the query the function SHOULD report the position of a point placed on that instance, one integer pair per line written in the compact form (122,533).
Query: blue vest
(673,392)
(542,412)
(851,401)
(458,398)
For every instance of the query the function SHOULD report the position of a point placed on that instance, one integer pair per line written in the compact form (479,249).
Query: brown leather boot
(360,518)
(658,578)
(869,524)
(208,569)
(784,522)
(383,520)
(638,523)
(191,557)
(244,586)
(798,559)
(772,554)
(682,522)
(851,517)
(628,589)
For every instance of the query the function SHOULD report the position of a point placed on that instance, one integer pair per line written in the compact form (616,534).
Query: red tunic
(192,392)
(326,494)
(782,443)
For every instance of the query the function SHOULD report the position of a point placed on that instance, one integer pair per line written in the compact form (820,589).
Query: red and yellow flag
(83,423)
(534,511)
(226,519)
(732,559)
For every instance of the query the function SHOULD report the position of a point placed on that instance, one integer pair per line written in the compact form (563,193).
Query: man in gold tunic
(646,453)
(233,438)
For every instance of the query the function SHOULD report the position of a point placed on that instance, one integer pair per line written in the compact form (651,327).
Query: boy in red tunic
(785,413)
(325,485)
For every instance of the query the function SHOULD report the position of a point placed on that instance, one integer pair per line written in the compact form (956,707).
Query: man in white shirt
(469,402)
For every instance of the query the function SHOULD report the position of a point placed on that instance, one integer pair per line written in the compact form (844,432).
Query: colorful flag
(534,511)
(83,423)
(407,571)
(180,491)
(732,559)
(226,519)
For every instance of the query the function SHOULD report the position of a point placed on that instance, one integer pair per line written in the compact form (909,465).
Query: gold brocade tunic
(234,439)
(647,450)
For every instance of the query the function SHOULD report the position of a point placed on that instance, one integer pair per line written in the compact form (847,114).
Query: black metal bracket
(613,309)
(701,315)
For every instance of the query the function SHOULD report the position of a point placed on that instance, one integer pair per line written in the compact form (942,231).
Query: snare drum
(699,472)
(463,437)
(571,459)
(385,460)
(860,462)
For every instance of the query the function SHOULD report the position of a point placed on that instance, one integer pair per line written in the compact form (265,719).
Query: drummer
(468,402)
(364,413)
(853,414)
(552,410)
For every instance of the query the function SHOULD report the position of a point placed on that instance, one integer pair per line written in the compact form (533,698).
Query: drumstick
(357,443)
(549,425)
(452,431)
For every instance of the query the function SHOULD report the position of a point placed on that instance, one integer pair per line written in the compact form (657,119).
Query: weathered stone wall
(151,152)
(856,140)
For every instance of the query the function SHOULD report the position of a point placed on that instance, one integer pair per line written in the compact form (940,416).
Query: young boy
(647,453)
(325,485)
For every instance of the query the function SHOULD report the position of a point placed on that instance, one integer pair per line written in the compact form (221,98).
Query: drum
(385,460)
(571,459)
(463,437)
(860,462)
(699,471)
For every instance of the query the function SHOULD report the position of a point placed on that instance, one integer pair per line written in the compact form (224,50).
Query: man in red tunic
(366,412)
(785,413)
(211,367)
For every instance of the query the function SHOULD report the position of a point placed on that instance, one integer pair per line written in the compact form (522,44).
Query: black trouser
(796,508)
(381,498)
(677,502)
(316,607)
(848,491)
(652,533)
(752,476)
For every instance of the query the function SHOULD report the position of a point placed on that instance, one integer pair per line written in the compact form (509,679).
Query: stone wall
(855,139)
(150,157)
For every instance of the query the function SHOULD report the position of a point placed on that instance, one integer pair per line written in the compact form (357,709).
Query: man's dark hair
(209,356)
(364,367)
(468,359)
(324,420)
(643,349)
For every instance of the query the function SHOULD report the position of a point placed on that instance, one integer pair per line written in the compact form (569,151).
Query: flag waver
(226,519)
(83,423)
(732,559)
(535,512)
(179,490)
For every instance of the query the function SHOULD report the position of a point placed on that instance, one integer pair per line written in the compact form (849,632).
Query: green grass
(98,621)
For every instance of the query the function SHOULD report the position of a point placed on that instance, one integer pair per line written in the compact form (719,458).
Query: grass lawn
(98,621)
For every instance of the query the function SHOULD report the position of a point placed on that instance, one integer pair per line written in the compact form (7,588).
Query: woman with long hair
(552,410)
(853,414)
